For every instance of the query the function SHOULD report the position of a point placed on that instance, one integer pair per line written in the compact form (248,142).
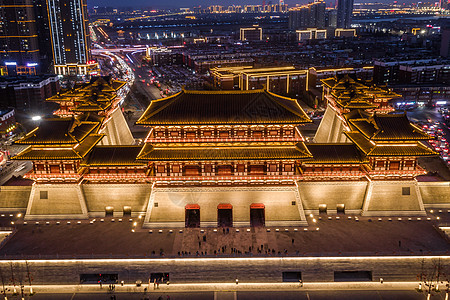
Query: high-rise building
(344,13)
(445,43)
(70,37)
(331,17)
(43,32)
(19,47)
(310,15)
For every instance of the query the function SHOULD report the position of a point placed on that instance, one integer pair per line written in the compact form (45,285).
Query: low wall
(313,269)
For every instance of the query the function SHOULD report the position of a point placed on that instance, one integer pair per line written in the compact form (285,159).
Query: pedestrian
(228,230)
(292,241)
(399,244)
(300,283)
(237,281)
(199,244)
(223,229)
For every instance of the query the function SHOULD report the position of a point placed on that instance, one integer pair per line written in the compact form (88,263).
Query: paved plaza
(326,235)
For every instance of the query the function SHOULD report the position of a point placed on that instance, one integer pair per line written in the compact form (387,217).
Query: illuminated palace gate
(209,141)
(232,138)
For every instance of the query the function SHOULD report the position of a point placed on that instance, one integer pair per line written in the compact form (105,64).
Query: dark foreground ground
(301,295)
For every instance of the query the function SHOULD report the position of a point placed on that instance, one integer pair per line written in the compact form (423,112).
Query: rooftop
(370,148)
(329,153)
(223,107)
(59,131)
(113,155)
(32,79)
(76,152)
(388,127)
(224,151)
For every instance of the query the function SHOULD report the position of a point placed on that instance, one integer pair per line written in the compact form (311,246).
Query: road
(141,73)
(14,168)
(247,295)
(422,114)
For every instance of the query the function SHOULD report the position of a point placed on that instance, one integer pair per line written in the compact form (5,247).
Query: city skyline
(170,4)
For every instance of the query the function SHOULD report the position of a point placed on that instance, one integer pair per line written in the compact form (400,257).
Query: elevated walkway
(116,130)
(331,129)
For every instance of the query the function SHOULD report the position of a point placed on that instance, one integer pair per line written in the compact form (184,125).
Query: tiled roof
(353,99)
(343,153)
(113,156)
(223,107)
(228,151)
(59,152)
(414,149)
(388,127)
(355,114)
(102,84)
(97,95)
(369,148)
(344,82)
(59,131)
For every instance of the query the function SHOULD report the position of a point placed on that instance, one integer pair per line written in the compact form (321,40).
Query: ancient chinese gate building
(224,138)
(228,158)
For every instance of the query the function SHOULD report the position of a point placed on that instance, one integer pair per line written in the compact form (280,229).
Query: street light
(36,118)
